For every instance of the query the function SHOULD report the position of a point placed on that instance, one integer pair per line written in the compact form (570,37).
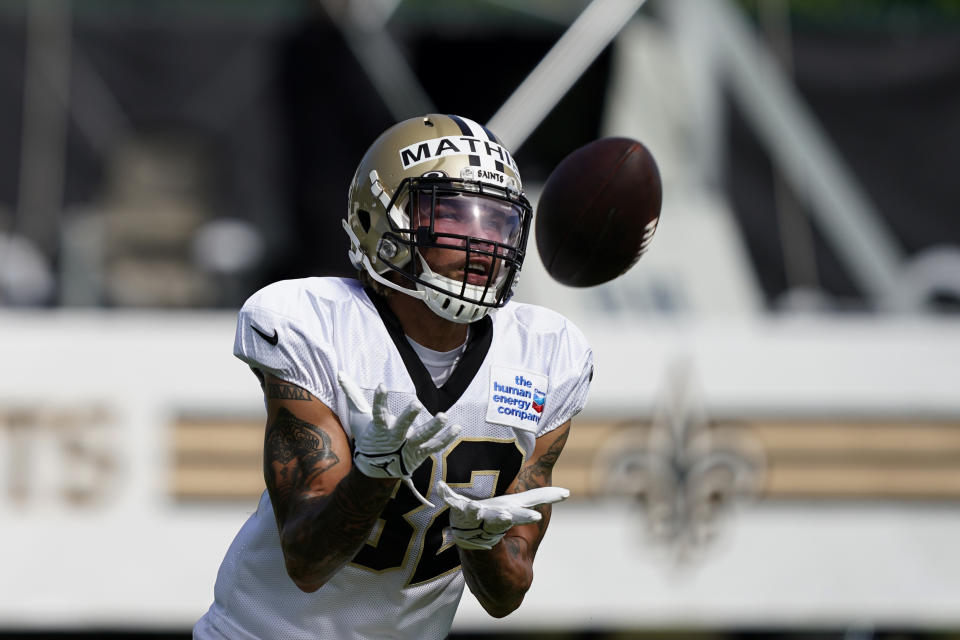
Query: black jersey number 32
(390,548)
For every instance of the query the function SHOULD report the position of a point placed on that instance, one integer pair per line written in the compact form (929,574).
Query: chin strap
(448,307)
(439,300)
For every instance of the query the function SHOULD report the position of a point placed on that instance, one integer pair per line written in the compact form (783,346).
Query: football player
(414,415)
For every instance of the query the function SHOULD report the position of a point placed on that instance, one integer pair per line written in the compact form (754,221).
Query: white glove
(386,446)
(480,524)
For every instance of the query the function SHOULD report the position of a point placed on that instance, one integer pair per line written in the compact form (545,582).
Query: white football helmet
(438,200)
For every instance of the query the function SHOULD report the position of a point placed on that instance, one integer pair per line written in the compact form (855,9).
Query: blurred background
(772,444)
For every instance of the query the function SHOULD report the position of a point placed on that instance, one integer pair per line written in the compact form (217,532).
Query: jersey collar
(436,399)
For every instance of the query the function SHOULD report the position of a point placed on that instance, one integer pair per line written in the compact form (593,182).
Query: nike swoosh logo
(271,339)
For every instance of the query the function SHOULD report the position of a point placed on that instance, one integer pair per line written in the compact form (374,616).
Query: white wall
(89,536)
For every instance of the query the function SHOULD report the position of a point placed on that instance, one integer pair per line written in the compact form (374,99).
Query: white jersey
(526,370)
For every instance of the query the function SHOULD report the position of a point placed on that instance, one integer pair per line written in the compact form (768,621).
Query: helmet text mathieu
(414,154)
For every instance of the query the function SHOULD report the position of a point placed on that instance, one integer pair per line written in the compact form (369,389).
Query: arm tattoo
(356,509)
(318,547)
(295,453)
(284,391)
(500,578)
(540,474)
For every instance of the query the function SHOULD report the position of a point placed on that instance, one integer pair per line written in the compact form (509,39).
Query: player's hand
(387,446)
(480,524)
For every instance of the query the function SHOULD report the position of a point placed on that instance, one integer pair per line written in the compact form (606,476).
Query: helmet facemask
(466,242)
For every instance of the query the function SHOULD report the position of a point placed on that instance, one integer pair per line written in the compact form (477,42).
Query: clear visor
(457,216)
(465,243)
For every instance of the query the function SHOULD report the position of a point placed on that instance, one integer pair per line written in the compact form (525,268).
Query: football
(598,212)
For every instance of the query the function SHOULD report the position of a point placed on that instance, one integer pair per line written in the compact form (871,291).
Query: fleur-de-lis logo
(686,473)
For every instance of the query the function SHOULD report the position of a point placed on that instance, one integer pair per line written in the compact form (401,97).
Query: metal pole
(550,80)
(802,150)
(44,129)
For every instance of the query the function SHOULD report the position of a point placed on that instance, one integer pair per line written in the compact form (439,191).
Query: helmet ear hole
(364,217)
